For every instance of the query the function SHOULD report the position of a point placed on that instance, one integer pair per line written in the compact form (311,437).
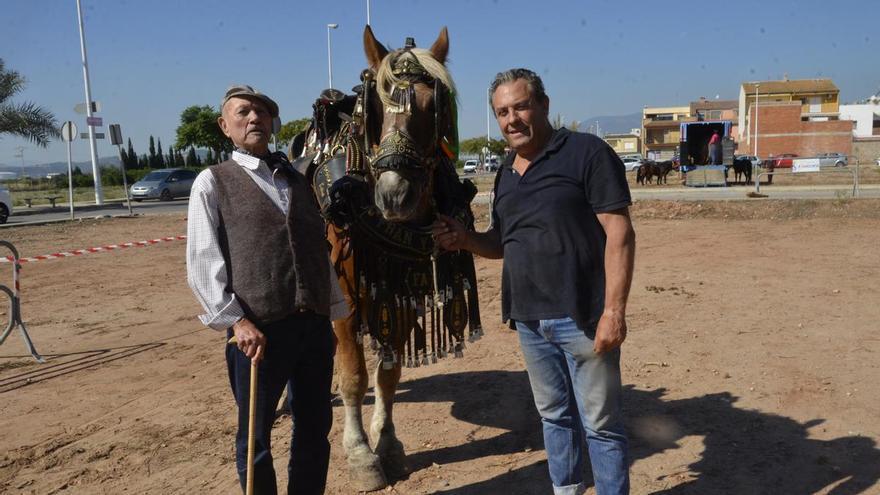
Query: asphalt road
(23,215)
(41,214)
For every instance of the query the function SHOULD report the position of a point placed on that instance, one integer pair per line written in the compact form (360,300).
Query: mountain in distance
(612,124)
(42,169)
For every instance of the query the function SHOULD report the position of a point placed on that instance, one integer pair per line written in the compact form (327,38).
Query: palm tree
(27,120)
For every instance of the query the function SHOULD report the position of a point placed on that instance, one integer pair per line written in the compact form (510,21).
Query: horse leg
(388,447)
(364,467)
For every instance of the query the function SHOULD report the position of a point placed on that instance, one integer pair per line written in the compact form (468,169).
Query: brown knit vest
(275,265)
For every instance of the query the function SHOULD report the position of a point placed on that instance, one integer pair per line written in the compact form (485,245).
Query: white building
(866,117)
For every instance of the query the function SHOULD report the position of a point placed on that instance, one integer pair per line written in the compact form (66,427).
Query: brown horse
(661,170)
(645,172)
(381,166)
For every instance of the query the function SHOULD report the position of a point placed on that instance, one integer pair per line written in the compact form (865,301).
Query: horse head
(409,123)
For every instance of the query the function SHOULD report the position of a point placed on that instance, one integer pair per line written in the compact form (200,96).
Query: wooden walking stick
(252,406)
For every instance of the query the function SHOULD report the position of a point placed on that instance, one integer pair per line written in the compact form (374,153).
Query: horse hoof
(393,458)
(366,473)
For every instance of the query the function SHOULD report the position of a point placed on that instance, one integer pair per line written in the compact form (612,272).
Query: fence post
(15,306)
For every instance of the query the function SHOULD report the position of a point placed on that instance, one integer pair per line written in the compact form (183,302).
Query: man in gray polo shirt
(561,223)
(257,260)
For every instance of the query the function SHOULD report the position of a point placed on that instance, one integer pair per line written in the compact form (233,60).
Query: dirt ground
(751,366)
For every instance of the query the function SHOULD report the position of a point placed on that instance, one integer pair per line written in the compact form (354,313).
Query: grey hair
(534,82)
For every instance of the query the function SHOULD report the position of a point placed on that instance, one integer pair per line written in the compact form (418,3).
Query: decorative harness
(402,281)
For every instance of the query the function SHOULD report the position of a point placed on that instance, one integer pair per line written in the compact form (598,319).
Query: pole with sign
(68,134)
(116,139)
(93,147)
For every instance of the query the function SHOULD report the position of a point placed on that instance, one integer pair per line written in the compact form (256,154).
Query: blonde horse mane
(386,80)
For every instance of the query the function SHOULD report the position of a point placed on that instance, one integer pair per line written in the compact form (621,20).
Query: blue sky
(149,60)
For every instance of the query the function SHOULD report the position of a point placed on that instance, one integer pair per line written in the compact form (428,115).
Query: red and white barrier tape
(100,249)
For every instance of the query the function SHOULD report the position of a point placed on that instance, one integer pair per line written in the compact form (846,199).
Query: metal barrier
(15,306)
(828,170)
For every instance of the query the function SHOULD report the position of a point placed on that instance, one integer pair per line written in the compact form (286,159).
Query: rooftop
(791,86)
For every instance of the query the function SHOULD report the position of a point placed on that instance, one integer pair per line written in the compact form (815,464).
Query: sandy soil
(751,366)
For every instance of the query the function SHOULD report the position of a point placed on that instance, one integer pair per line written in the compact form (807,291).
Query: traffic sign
(115,134)
(98,135)
(68,131)
(95,121)
(81,107)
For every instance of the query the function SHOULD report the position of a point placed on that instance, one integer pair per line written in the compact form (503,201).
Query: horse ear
(440,48)
(373,49)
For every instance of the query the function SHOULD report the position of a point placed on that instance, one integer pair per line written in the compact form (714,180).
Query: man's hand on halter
(448,233)
(249,339)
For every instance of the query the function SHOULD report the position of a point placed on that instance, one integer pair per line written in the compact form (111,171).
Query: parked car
(832,160)
(492,165)
(470,166)
(5,204)
(782,160)
(164,185)
(631,163)
(755,161)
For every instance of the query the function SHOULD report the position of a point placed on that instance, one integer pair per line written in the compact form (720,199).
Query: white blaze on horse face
(396,196)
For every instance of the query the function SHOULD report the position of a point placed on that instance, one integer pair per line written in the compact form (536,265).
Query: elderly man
(257,260)
(561,223)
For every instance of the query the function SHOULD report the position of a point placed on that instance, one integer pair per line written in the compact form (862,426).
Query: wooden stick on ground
(252,406)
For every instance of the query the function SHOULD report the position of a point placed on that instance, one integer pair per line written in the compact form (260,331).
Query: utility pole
(329,53)
(19,153)
(757,85)
(96,173)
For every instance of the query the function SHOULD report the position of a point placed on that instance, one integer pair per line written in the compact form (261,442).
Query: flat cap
(247,91)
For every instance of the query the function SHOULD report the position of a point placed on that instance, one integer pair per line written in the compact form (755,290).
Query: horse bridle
(399,143)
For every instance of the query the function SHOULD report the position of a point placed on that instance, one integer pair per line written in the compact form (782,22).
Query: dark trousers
(299,350)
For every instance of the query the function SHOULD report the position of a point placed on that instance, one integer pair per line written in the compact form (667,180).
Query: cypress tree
(152,158)
(132,156)
(160,157)
(191,158)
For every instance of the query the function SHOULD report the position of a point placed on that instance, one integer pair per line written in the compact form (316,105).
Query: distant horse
(742,167)
(645,172)
(382,166)
(651,169)
(661,170)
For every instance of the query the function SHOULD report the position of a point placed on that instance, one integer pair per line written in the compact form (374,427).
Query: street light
(329,53)
(488,112)
(757,85)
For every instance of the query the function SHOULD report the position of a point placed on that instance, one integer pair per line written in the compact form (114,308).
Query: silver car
(164,185)
(832,160)
(631,163)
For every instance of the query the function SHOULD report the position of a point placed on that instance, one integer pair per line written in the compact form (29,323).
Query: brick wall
(782,131)
(867,150)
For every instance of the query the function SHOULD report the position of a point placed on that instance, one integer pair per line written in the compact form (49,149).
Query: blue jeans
(299,351)
(578,395)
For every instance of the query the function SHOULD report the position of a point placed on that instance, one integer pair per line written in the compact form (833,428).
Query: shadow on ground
(744,451)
